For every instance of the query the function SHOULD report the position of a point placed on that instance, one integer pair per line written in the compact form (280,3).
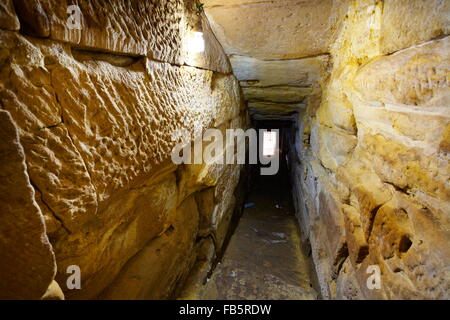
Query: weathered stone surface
(375,146)
(97,132)
(417,77)
(230,104)
(169,258)
(332,146)
(415,260)
(27,263)
(8,17)
(260,73)
(194,285)
(207,208)
(409,22)
(91,117)
(161,30)
(356,240)
(113,26)
(296,29)
(347,287)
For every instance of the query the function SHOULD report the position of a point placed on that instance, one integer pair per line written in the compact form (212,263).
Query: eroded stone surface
(97,131)
(373,154)
(8,17)
(27,261)
(161,30)
(89,116)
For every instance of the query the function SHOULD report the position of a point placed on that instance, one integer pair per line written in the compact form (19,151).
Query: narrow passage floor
(264,259)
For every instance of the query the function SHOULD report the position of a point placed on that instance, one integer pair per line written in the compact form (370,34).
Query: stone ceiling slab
(277,94)
(286,29)
(259,73)
(274,108)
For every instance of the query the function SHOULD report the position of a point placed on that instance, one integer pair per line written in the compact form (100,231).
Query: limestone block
(414,261)
(224,192)
(8,17)
(161,30)
(333,147)
(326,225)
(97,139)
(408,168)
(427,131)
(127,27)
(27,264)
(206,207)
(415,79)
(322,262)
(228,104)
(409,22)
(157,269)
(347,286)
(281,94)
(101,249)
(332,220)
(295,29)
(336,110)
(194,287)
(338,114)
(95,128)
(223,226)
(367,192)
(196,177)
(262,73)
(274,108)
(359,37)
(356,240)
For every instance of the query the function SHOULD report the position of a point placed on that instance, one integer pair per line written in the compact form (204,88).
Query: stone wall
(88,118)
(372,174)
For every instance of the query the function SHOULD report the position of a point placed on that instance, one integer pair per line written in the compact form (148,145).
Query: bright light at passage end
(269,143)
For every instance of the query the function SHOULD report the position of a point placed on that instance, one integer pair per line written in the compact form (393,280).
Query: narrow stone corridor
(264,259)
(238,149)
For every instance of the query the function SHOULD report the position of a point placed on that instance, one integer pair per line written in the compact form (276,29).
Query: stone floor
(263,259)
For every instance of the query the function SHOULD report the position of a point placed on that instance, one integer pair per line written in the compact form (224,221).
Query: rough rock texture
(8,17)
(89,117)
(159,29)
(27,264)
(372,166)
(97,111)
